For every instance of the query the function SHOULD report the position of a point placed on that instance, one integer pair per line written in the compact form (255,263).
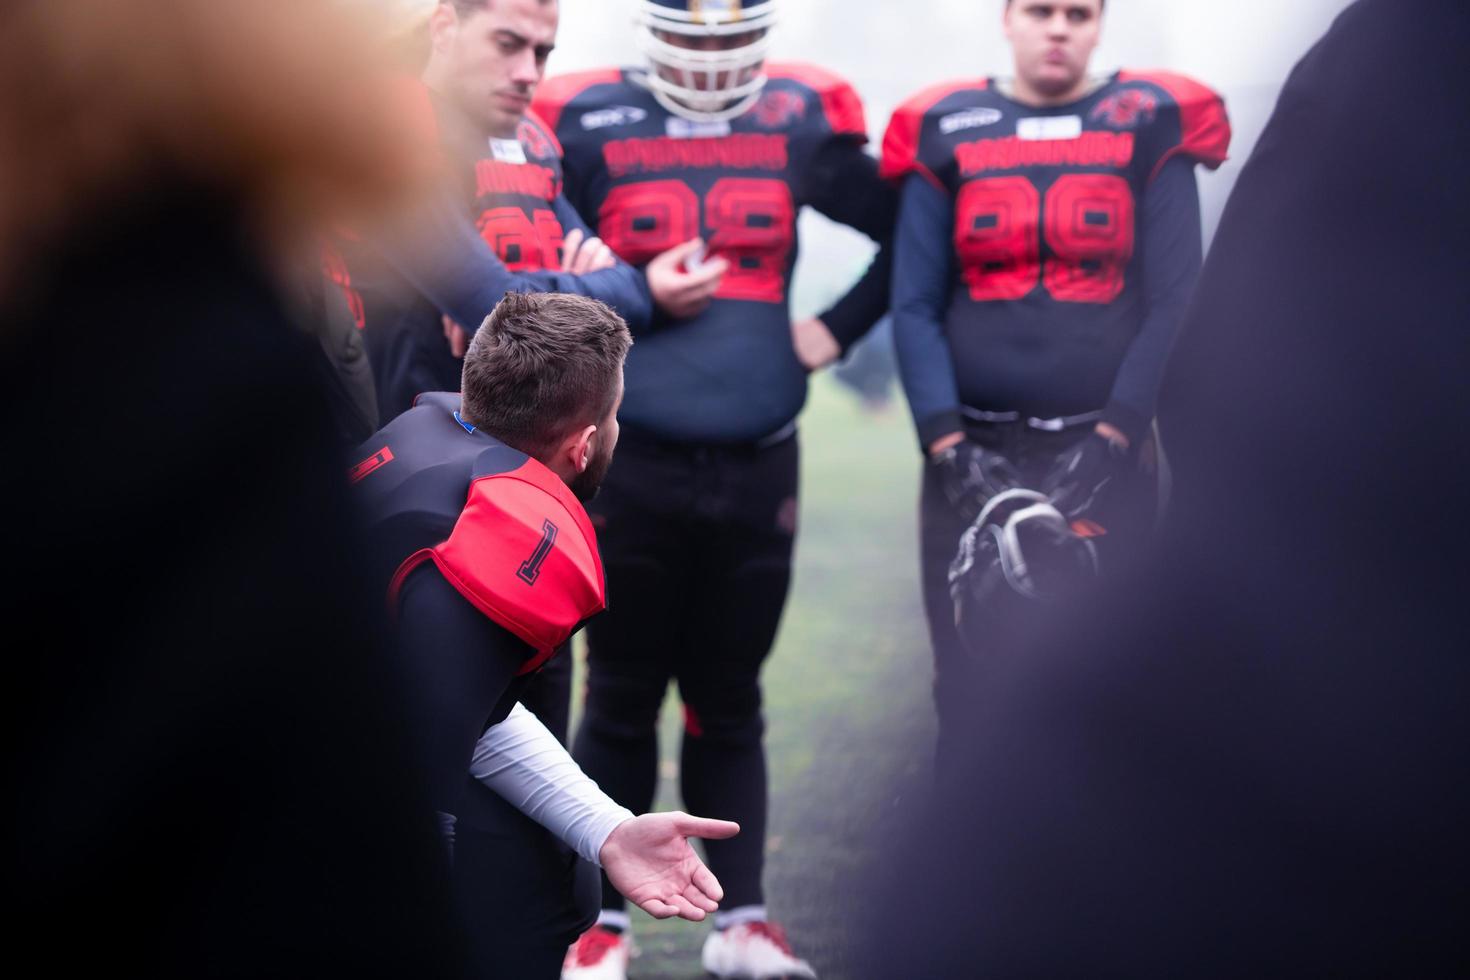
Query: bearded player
(1048,241)
(474,506)
(709,151)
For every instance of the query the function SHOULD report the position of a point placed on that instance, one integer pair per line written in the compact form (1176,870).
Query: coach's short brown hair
(541,366)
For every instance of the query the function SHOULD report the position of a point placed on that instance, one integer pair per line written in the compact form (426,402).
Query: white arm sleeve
(524,763)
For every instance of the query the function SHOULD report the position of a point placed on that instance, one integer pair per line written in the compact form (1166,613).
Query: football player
(489,563)
(710,150)
(501,223)
(1048,240)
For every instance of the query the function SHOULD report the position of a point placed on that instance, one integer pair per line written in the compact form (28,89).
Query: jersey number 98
(751,225)
(1088,227)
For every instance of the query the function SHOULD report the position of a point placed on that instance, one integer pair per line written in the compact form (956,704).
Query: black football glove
(969,475)
(1079,480)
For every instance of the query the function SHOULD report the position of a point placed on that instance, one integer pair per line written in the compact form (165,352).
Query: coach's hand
(650,861)
(814,344)
(969,475)
(581,254)
(681,285)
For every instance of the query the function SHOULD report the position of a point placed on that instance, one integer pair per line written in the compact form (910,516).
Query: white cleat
(753,951)
(598,954)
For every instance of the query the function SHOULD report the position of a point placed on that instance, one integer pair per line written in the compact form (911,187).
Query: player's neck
(1019,90)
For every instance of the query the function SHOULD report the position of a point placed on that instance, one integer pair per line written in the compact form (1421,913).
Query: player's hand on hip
(581,254)
(814,344)
(682,285)
(457,336)
(648,859)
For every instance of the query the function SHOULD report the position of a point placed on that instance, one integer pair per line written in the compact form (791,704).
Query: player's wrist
(944,443)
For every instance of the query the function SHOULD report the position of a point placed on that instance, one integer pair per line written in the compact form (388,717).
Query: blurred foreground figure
(1249,759)
(209,774)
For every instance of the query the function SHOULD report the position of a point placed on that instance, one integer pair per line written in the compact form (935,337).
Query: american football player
(474,510)
(711,149)
(501,223)
(1048,240)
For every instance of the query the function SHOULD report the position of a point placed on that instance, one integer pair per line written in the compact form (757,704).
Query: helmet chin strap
(671,101)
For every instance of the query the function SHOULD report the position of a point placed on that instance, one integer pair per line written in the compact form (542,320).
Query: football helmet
(1018,554)
(705,56)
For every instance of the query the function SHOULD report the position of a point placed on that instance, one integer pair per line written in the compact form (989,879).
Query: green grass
(849,720)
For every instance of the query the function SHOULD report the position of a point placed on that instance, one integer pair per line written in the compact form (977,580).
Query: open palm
(650,861)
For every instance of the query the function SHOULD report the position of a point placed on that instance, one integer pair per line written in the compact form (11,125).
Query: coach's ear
(574,453)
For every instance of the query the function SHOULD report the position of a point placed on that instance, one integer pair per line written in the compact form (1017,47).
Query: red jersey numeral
(524,243)
(1089,227)
(638,221)
(751,223)
(996,237)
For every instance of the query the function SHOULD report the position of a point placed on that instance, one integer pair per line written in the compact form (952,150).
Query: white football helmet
(699,84)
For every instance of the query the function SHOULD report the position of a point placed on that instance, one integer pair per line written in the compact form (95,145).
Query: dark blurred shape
(1248,758)
(209,773)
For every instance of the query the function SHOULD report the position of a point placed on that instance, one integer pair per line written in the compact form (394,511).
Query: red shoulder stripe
(901,141)
(553,94)
(1204,125)
(840,102)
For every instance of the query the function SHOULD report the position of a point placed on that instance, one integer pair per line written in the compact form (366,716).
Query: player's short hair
(541,366)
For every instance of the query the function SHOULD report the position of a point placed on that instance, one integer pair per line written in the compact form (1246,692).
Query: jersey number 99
(1088,228)
(751,222)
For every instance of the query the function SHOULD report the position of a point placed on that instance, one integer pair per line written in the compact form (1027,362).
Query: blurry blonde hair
(286,106)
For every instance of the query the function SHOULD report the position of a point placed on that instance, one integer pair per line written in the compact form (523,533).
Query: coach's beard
(586,483)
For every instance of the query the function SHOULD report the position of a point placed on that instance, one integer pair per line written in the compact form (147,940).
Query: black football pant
(523,895)
(1127,513)
(696,543)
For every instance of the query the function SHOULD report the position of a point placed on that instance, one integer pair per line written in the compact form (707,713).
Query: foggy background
(889,49)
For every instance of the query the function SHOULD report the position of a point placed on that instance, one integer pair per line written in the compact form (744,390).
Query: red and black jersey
(494,224)
(500,527)
(648,180)
(1045,205)
(513,186)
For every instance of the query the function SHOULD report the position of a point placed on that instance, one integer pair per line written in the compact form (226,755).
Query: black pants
(1128,514)
(523,896)
(697,546)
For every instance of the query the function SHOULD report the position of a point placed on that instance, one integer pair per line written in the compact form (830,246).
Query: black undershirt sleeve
(464,667)
(1171,243)
(845,186)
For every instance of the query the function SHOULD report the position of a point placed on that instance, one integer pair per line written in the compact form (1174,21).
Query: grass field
(849,720)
